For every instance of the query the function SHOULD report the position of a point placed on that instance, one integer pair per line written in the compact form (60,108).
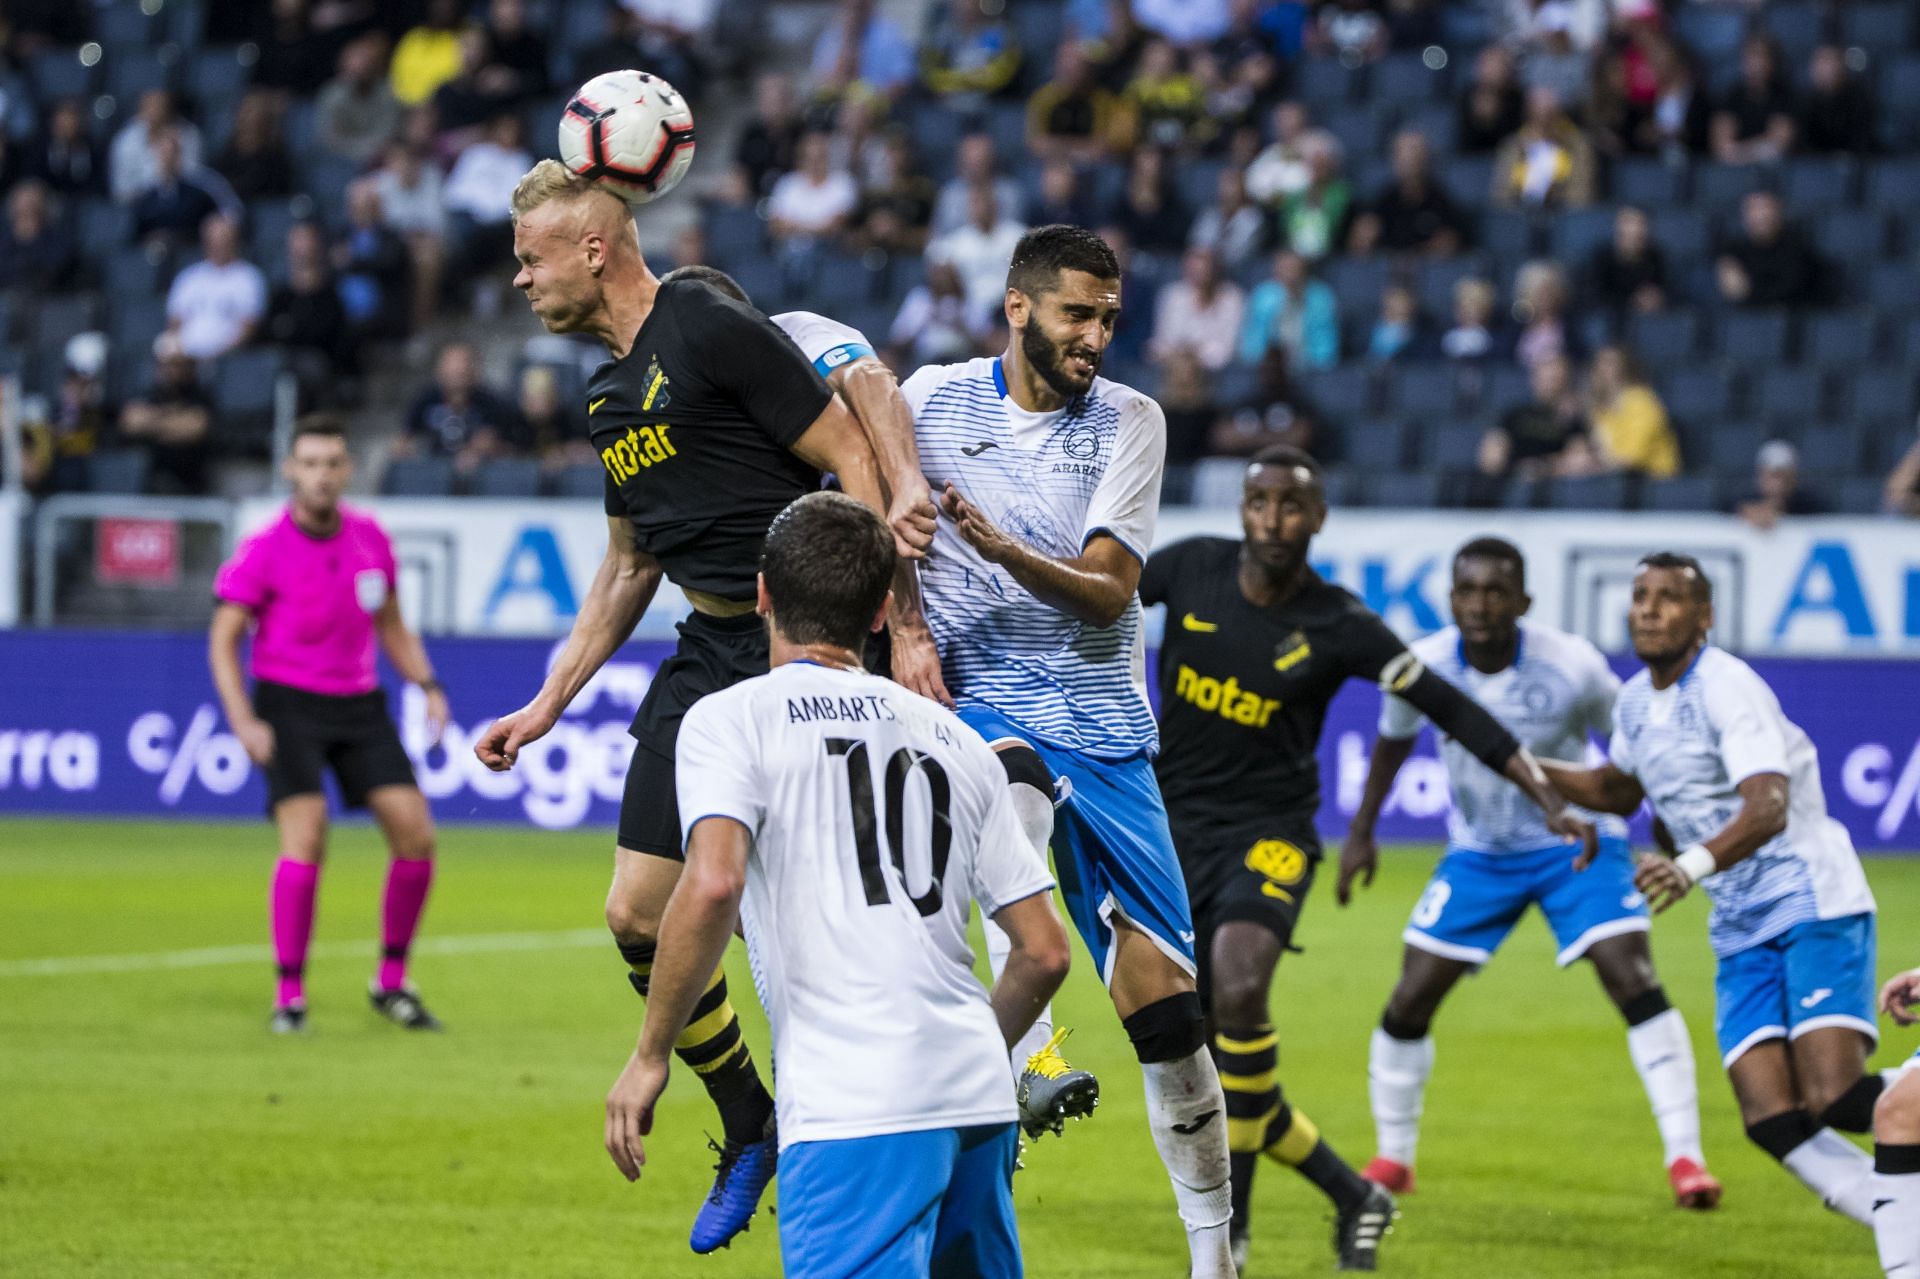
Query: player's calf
(1185,1112)
(1824,1161)
(1896,1175)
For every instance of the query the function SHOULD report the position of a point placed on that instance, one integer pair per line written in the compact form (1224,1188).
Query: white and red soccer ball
(630,132)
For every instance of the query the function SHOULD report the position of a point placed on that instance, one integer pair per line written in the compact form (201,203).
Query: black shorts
(1259,873)
(312,732)
(714,653)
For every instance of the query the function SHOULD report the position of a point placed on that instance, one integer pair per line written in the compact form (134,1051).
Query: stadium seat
(1361,130)
(1649,184)
(1893,286)
(130,72)
(1468,179)
(104,223)
(1711,32)
(1879,28)
(1719,188)
(1814,184)
(1680,493)
(1344,486)
(507,477)
(1894,184)
(1405,491)
(1521,495)
(1378,445)
(1452,447)
(1850,235)
(123,24)
(1665,339)
(59,73)
(1422,389)
(1510,235)
(418,477)
(1576,233)
(1324,85)
(1788,397)
(1840,339)
(134,272)
(216,75)
(1616,492)
(245,383)
(1356,282)
(1860,495)
(1345,395)
(1217,482)
(1698,396)
(1403,80)
(325,178)
(733,234)
(1881,396)
(587,479)
(136,320)
(1832,450)
(1729,449)
(1796,27)
(1502,389)
(1683,233)
(56,317)
(118,471)
(1438,123)
(1756,338)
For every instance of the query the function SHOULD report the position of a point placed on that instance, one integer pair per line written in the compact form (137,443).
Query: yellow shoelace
(1047,1062)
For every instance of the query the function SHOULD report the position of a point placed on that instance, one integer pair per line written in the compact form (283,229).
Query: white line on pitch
(214,956)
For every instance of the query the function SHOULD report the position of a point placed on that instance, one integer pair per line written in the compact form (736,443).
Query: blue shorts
(1474,899)
(1112,850)
(1812,976)
(902,1206)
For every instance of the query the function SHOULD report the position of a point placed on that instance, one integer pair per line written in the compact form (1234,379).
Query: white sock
(1663,1054)
(1397,1071)
(1035,810)
(1896,1222)
(1187,1114)
(1838,1171)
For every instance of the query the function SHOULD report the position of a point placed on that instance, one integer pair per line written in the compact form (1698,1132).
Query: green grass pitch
(149,1126)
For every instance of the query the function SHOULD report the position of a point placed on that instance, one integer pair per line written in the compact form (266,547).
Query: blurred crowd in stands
(1593,254)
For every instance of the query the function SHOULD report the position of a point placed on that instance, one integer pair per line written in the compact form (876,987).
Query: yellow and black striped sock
(713,1047)
(1294,1140)
(1247,1058)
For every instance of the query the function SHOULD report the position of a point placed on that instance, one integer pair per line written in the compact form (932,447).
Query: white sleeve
(1398,718)
(1005,867)
(919,388)
(1125,503)
(1603,689)
(716,771)
(1746,715)
(827,343)
(1620,752)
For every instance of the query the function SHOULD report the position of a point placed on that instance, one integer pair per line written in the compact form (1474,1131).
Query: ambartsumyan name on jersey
(1690,745)
(877,818)
(829,344)
(1557,691)
(1054,481)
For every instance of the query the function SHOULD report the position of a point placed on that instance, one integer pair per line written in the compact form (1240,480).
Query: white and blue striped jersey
(828,343)
(1558,690)
(1052,480)
(1690,746)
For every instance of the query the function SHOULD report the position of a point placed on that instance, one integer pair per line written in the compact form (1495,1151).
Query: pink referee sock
(294,886)
(408,879)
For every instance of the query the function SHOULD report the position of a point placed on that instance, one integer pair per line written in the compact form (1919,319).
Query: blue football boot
(739,1179)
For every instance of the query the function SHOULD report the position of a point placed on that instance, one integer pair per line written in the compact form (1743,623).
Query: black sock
(1852,1110)
(1779,1135)
(1294,1140)
(1896,1161)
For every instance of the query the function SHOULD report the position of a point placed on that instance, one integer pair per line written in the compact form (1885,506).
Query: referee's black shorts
(1258,873)
(354,736)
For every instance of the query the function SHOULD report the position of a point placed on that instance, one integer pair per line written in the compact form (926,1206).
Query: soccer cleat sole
(1075,1101)
(1694,1188)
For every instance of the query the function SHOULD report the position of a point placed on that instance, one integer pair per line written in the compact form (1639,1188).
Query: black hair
(828,563)
(1287,455)
(1044,252)
(1499,550)
(324,425)
(1702,588)
(711,276)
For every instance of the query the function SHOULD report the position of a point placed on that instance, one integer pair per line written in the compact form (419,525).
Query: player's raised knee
(1896,1116)
(630,926)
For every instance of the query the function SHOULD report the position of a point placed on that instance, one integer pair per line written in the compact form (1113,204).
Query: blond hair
(547,180)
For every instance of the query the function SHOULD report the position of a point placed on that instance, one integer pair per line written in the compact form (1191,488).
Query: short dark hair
(1287,456)
(1702,588)
(1044,252)
(828,563)
(325,425)
(1498,549)
(711,276)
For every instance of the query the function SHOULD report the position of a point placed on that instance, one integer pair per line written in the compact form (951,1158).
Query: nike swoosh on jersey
(1816,998)
(1187,1130)
(596,404)
(1192,623)
(975,450)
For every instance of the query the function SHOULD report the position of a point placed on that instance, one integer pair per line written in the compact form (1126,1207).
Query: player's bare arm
(1094,586)
(621,589)
(1359,853)
(230,624)
(1901,996)
(1035,967)
(873,394)
(1604,789)
(699,922)
(1762,815)
(409,656)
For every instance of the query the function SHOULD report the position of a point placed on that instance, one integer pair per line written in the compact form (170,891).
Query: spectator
(1354,31)
(980,252)
(305,315)
(1232,93)
(295,56)
(1554,60)
(1129,342)
(1475,336)
(133,162)
(67,159)
(1540,297)
(555,429)
(1294,312)
(1399,334)
(1838,115)
(38,252)
(171,419)
(896,212)
(935,325)
(1768,263)
(78,422)
(814,200)
(460,418)
(1281,169)
(689,247)
(1754,124)
(770,141)
(428,55)
(1678,123)
(1150,213)
(1313,220)
(478,92)
(975,164)
(674,38)
(1412,213)
(357,113)
(1072,116)
(1200,312)
(518,50)
(372,261)
(1630,427)
(1164,99)
(1543,437)
(477,194)
(1185,395)
(1492,109)
(1526,24)
(217,303)
(255,162)
(1061,199)
(858,141)
(1547,163)
(1777,490)
(860,53)
(176,206)
(1277,412)
(413,204)
(1628,274)
(968,59)
(1232,226)
(1903,485)
(1184,22)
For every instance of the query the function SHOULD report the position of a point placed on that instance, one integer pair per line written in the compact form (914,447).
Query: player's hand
(1663,882)
(1574,828)
(916,663)
(1359,858)
(630,1112)
(1901,996)
(912,518)
(256,738)
(439,715)
(500,745)
(981,533)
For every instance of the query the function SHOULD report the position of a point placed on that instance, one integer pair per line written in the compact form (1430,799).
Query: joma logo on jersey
(644,446)
(1228,699)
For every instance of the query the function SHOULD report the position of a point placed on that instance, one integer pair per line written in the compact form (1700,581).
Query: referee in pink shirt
(316,587)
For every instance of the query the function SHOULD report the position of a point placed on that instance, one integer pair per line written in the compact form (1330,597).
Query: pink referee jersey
(313,601)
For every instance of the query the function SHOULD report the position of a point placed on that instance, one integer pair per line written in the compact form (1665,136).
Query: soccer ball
(630,132)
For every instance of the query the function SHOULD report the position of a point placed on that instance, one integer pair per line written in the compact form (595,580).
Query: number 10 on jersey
(866,833)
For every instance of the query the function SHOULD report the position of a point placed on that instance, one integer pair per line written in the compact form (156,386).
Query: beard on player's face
(1050,358)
